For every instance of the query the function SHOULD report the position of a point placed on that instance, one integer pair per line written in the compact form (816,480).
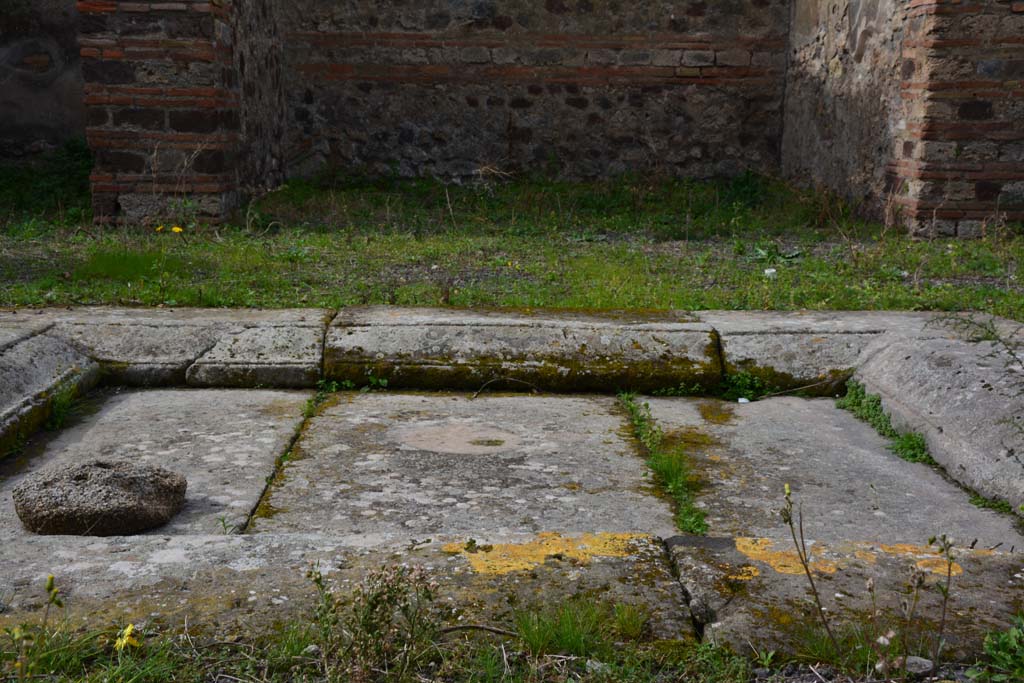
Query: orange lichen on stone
(782,561)
(866,556)
(926,558)
(511,557)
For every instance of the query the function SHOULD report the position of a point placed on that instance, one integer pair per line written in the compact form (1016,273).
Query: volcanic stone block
(281,357)
(818,350)
(99,498)
(436,348)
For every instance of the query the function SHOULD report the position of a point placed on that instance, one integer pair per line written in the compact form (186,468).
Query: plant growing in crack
(944,544)
(670,464)
(795,522)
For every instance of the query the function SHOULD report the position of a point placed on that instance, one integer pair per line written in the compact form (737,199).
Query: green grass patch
(126,265)
(981,501)
(387,628)
(625,243)
(868,407)
(670,464)
(576,628)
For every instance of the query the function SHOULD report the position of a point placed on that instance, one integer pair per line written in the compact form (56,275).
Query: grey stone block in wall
(41,88)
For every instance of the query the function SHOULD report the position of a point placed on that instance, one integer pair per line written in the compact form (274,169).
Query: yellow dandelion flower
(177,229)
(159,228)
(126,639)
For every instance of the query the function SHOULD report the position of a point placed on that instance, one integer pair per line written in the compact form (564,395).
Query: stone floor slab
(387,469)
(866,514)
(224,442)
(257,581)
(461,349)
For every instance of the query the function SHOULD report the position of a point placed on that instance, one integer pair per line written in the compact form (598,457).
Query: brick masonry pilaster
(960,157)
(162,109)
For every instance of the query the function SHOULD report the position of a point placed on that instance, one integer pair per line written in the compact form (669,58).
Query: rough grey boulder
(99,498)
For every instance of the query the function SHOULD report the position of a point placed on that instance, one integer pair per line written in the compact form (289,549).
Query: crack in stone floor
(507,500)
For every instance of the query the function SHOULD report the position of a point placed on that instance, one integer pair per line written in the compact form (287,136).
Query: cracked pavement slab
(508,507)
(388,468)
(866,514)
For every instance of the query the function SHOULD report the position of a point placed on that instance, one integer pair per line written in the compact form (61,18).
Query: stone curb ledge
(966,397)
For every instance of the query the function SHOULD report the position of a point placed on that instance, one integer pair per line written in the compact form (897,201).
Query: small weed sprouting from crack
(886,642)
(324,389)
(796,531)
(682,389)
(670,464)
(910,446)
(744,385)
(1004,656)
(981,501)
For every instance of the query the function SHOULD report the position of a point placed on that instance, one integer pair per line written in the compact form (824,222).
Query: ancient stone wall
(40,80)
(915,106)
(843,103)
(258,61)
(581,87)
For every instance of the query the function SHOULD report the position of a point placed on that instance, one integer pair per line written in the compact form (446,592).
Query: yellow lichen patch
(745,573)
(926,558)
(929,558)
(512,557)
(937,565)
(865,556)
(782,561)
(689,438)
(717,412)
(905,549)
